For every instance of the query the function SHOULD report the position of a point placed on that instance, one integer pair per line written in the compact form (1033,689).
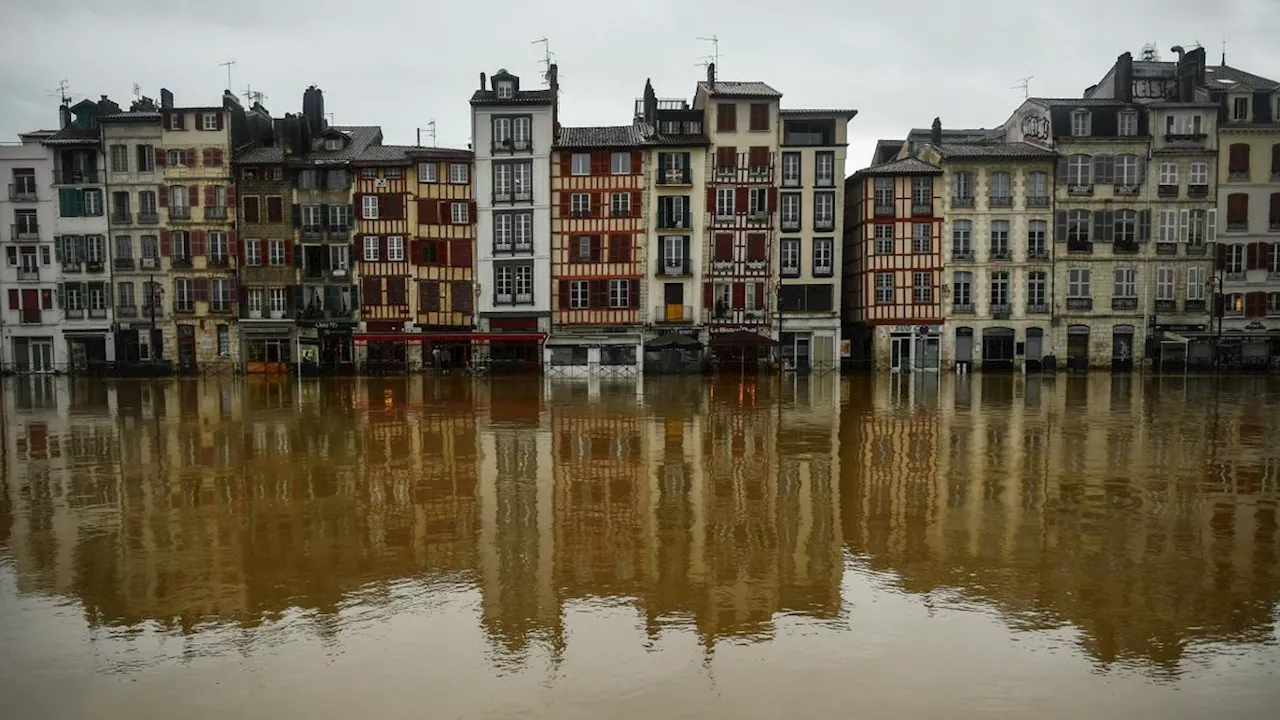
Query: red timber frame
(392,221)
(443,251)
(903,262)
(614,248)
(739,248)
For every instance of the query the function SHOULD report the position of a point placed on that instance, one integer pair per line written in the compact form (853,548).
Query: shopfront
(914,347)
(268,348)
(325,347)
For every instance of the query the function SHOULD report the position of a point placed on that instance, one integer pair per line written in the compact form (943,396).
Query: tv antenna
(1024,84)
(137,91)
(546,56)
(228,65)
(431,133)
(63,96)
(715,48)
(253,96)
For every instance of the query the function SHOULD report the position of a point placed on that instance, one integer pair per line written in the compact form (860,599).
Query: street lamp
(157,294)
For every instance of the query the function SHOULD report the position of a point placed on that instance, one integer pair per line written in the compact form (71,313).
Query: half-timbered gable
(443,251)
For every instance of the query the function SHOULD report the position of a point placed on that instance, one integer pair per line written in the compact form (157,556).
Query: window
(580,204)
(1235,258)
(275,251)
(759,117)
(209,121)
(962,239)
(275,301)
(183,298)
(823,253)
(824,211)
(620,163)
(757,201)
(1126,226)
(338,257)
(523,132)
(119,158)
(1182,124)
(724,202)
(224,341)
(505,90)
(884,239)
(1037,284)
(1168,173)
(619,293)
(922,191)
(922,237)
(1001,189)
(459,213)
(339,217)
(789,249)
(252,252)
(922,287)
(1037,239)
(369,207)
(368,173)
(726,117)
(502,181)
(579,296)
(427,172)
(1237,212)
(176,158)
(1164,283)
(1199,221)
(524,283)
(1240,108)
(790,210)
(503,231)
(884,288)
(1080,123)
(1127,170)
(1079,170)
(791,169)
(92,203)
(962,290)
(503,283)
(824,169)
(1077,226)
(961,188)
(254,301)
(146,158)
(1167,226)
(524,181)
(999,288)
(1038,185)
(1195,282)
(524,231)
(459,174)
(371,248)
(218,249)
(1238,162)
(124,248)
(884,192)
(125,298)
(395,173)
(1273,258)
(395,248)
(333,144)
(1128,124)
(1126,283)
(999,239)
(620,204)
(310,214)
(580,164)
(1198,174)
(502,132)
(150,246)
(1078,283)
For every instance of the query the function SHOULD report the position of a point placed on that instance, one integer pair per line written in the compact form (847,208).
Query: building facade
(443,254)
(29,322)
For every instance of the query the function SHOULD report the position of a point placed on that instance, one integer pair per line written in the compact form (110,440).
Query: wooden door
(187,349)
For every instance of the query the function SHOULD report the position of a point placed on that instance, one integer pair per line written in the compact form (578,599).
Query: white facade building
(29,319)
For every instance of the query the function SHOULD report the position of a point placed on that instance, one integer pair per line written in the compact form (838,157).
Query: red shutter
(161,158)
(564,204)
(739,295)
(210,195)
(633,292)
(726,156)
(1220,257)
(595,248)
(708,295)
(395,207)
(471,212)
(231,196)
(1274,216)
(760,300)
(598,293)
(428,212)
(220,119)
(288,252)
(415,252)
(13,299)
(166,243)
(759,156)
(162,194)
(773,199)
(382,247)
(46,299)
(740,200)
(755,246)
(1259,303)
(637,162)
(460,253)
(711,198)
(566,164)
(191,157)
(233,245)
(1251,256)
(724,247)
(193,195)
(564,295)
(251,210)
(206,156)
(217,155)
(382,207)
(202,289)
(199,242)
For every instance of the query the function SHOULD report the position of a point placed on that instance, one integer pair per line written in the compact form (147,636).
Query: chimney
(1180,50)
(166,99)
(711,75)
(935,133)
(64,115)
(1123,90)
(553,79)
(482,81)
(650,103)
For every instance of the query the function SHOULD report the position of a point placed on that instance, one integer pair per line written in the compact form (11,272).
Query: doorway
(1035,349)
(187,349)
(1122,348)
(964,349)
(673,300)
(900,353)
(997,349)
(1078,347)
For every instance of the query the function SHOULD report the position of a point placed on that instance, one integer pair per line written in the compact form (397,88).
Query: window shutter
(182,120)
(395,207)
(460,254)
(162,195)
(202,289)
(471,212)
(1237,207)
(1144,225)
(564,295)
(193,195)
(1219,305)
(427,214)
(773,199)
(219,120)
(233,246)
(1103,169)
(708,295)
(295,216)
(595,248)
(424,297)
(166,243)
(761,300)
(1211,226)
(740,200)
(684,248)
(1274,213)
(1275,159)
(191,157)
(1238,158)
(57,249)
(1099,225)
(289,254)
(598,293)
(13,299)
(46,297)
(739,295)
(231,197)
(1184,226)
(1220,257)
(565,198)
(566,164)
(199,243)
(1062,170)
(755,246)
(160,157)
(726,156)
(633,292)
(206,156)
(711,198)
(210,195)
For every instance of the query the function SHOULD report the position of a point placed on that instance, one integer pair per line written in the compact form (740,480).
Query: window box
(123,263)
(758,265)
(1079,190)
(1124,303)
(1197,191)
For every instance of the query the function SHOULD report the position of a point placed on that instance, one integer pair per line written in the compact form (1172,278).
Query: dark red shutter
(161,158)
(755,246)
(166,243)
(759,156)
(726,156)
(233,245)
(428,212)
(1237,208)
(739,295)
(595,248)
(773,199)
(231,196)
(193,195)
(1238,158)
(395,207)
(217,153)
(199,242)
(206,156)
(288,252)
(13,299)
(565,197)
(1220,257)
(202,289)
(711,198)
(760,302)
(1219,305)
(1251,256)
(415,252)
(210,195)
(633,292)
(219,120)
(471,212)
(724,247)
(598,293)
(191,157)
(1274,215)
(460,253)
(251,210)
(564,295)
(740,200)
(46,299)
(162,194)
(637,161)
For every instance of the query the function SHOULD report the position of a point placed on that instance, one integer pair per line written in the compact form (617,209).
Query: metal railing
(672,313)
(76,177)
(121,217)
(674,267)
(179,212)
(215,213)
(27,231)
(23,193)
(148,218)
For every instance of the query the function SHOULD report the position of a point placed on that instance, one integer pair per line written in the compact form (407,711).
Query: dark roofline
(816,112)
(440,153)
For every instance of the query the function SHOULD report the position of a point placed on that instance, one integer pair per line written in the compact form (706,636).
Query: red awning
(444,337)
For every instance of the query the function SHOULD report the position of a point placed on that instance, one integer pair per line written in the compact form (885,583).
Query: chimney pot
(482,81)
(711,74)
(935,133)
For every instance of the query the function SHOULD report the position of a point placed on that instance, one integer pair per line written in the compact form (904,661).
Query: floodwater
(985,546)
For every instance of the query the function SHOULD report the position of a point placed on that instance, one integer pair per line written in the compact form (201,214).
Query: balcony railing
(962,308)
(674,313)
(1124,303)
(823,271)
(964,201)
(1000,311)
(1166,305)
(1185,138)
(218,261)
(791,224)
(74,313)
(31,316)
(1079,246)
(1166,248)
(922,209)
(180,262)
(824,224)
(1195,248)
(961,253)
(1000,254)
(215,213)
(1037,253)
(1080,190)
(1000,201)
(1234,275)
(1238,174)
(824,181)
(312,232)
(76,177)
(339,232)
(1197,191)
(1037,201)
(179,212)
(675,176)
(1122,247)
(1193,306)
(1125,188)
(789,271)
(1273,225)
(149,263)
(1167,191)
(28,231)
(1079,303)
(97,313)
(121,217)
(148,218)
(23,193)
(1035,308)
(28,274)
(674,267)
(94,265)
(126,311)
(1237,226)
(884,210)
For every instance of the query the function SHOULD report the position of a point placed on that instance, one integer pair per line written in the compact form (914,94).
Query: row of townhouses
(203,239)
(1140,221)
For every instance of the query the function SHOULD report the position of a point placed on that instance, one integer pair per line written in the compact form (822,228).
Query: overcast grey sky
(401,63)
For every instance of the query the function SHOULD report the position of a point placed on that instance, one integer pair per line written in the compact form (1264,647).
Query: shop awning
(672,340)
(446,337)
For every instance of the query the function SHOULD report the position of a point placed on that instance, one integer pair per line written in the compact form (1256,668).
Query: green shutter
(68,198)
(60,293)
(57,249)
(82,249)
(332,297)
(355,297)
(297,299)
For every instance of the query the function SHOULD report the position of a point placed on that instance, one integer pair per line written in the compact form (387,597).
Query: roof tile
(735,88)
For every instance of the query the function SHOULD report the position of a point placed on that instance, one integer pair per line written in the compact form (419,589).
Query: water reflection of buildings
(1103,502)
(234,501)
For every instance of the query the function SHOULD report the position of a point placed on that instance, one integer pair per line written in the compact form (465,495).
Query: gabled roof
(1080,102)
(906,166)
(599,137)
(435,153)
(1225,77)
(735,88)
(140,116)
(520,97)
(362,136)
(657,139)
(74,134)
(993,150)
(816,112)
(260,156)
(384,154)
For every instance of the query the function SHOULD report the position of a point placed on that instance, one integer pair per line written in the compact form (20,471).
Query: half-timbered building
(443,254)
(384,237)
(893,235)
(741,201)
(597,250)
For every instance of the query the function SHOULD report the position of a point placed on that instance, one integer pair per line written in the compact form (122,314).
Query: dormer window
(1240,109)
(1128,125)
(1080,123)
(670,127)
(333,144)
(505,90)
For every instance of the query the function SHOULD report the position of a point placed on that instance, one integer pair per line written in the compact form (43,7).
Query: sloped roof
(993,150)
(140,116)
(1216,75)
(260,156)
(906,166)
(736,88)
(520,97)
(384,154)
(957,135)
(657,139)
(816,112)
(74,135)
(601,136)
(1080,102)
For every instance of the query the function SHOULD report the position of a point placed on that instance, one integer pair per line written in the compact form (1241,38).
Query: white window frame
(724,202)
(311,216)
(921,240)
(921,292)
(524,283)
(503,284)
(125,297)
(1168,173)
(881,238)
(1195,282)
(394,173)
(790,214)
(254,298)
(823,256)
(962,288)
(427,172)
(1235,258)
(617,208)
(1127,172)
(338,217)
(1081,123)
(252,252)
(522,131)
(1079,282)
(275,300)
(459,214)
(580,204)
(1128,124)
(209,121)
(1167,225)
(580,164)
(119,158)
(502,131)
(504,90)
(1037,287)
(619,293)
(824,210)
(339,256)
(1164,283)
(1080,170)
(620,163)
(791,169)
(884,192)
(524,231)
(369,207)
(183,295)
(395,248)
(1038,184)
(789,256)
(176,158)
(884,290)
(372,248)
(275,252)
(579,295)
(1198,174)
(504,232)
(824,169)
(1126,283)
(459,174)
(999,288)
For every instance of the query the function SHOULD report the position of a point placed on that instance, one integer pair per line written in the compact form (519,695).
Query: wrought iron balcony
(20,192)
(1166,248)
(1037,253)
(1195,248)
(179,212)
(1000,311)
(1166,305)
(1000,253)
(789,271)
(962,201)
(339,232)
(1037,309)
(1081,190)
(674,313)
(1233,275)
(678,176)
(1124,303)
(28,274)
(312,232)
(1122,247)
(149,263)
(1238,174)
(218,261)
(1167,191)
(25,231)
(824,225)
(123,263)
(1197,191)
(674,267)
(1185,138)
(1079,303)
(97,313)
(215,213)
(1126,188)
(790,224)
(961,253)
(121,217)
(962,308)
(1237,226)
(74,313)
(126,311)
(1037,201)
(76,177)
(1000,201)
(148,218)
